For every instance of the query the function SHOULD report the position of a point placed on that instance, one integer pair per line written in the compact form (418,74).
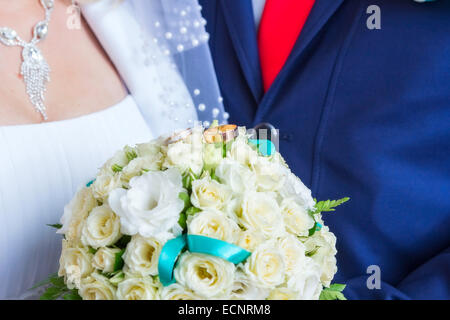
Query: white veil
(160,48)
(178,29)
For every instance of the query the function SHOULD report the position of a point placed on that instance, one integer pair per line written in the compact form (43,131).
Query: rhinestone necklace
(34,69)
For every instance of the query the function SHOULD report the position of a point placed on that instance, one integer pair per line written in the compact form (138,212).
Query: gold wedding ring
(223,133)
(178,136)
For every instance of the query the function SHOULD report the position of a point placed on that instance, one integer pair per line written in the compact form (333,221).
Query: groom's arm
(429,281)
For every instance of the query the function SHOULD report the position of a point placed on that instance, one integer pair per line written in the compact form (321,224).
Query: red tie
(280,26)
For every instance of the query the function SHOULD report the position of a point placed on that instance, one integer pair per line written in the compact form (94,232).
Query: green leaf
(182,220)
(122,242)
(192,210)
(187,182)
(186,199)
(118,262)
(52,293)
(329,205)
(44,282)
(117,278)
(56,225)
(334,292)
(312,252)
(116,168)
(337,287)
(214,177)
(331,295)
(58,282)
(73,295)
(194,176)
(312,230)
(92,250)
(188,177)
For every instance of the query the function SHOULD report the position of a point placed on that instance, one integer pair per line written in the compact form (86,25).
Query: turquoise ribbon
(196,244)
(168,257)
(318,226)
(265,147)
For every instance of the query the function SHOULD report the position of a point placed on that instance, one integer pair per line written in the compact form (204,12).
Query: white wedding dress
(41,168)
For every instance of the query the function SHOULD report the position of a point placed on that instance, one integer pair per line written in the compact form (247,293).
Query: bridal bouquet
(202,214)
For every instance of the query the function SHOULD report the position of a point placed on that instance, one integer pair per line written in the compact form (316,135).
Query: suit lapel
(321,12)
(241,26)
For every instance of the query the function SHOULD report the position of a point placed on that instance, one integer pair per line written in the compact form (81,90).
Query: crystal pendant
(41,30)
(8,36)
(48,4)
(36,74)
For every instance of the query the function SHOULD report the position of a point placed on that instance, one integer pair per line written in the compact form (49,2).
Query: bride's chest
(82,79)
(42,165)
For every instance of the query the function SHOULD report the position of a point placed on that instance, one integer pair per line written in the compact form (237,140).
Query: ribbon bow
(197,244)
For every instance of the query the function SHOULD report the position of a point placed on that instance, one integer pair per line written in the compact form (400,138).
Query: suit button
(266,130)
(286,137)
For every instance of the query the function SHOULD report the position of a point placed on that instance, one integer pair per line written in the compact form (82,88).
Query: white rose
(293,253)
(306,281)
(120,158)
(152,148)
(266,265)
(282,293)
(137,289)
(101,228)
(96,287)
(296,217)
(323,244)
(242,152)
(278,158)
(104,259)
(186,154)
(245,289)
(178,292)
(260,212)
(75,213)
(75,263)
(142,255)
(294,187)
(141,164)
(105,182)
(207,276)
(151,206)
(234,209)
(209,194)
(213,224)
(236,176)
(270,176)
(249,239)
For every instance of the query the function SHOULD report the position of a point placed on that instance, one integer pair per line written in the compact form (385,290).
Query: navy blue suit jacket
(365,114)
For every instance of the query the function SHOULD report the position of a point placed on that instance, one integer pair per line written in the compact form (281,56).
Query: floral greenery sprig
(57,289)
(334,292)
(329,205)
(324,206)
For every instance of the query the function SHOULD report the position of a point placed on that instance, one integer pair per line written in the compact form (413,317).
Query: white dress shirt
(258,8)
